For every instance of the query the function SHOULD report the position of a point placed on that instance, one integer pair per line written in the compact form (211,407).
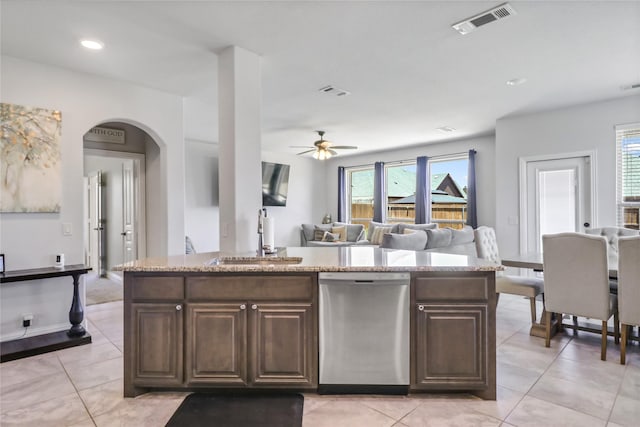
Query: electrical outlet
(26,320)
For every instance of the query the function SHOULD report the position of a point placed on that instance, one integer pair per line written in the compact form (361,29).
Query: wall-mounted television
(275,184)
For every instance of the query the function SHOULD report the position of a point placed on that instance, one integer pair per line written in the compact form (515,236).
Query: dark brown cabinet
(216,344)
(453,339)
(158,337)
(252,331)
(234,330)
(282,338)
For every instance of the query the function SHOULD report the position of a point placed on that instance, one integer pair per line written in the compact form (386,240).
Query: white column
(240,169)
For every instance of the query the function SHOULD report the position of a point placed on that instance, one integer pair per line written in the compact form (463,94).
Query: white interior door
(95,224)
(558,198)
(129,241)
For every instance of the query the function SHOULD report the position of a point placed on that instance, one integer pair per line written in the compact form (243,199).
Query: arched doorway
(115,203)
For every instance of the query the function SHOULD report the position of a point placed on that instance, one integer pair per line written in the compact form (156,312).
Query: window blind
(628,175)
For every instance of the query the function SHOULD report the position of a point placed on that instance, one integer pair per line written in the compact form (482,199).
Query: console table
(76,335)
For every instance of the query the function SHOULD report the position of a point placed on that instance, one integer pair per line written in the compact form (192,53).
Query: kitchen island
(219,322)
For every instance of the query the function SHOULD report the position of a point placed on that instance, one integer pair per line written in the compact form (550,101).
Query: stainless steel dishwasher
(364,332)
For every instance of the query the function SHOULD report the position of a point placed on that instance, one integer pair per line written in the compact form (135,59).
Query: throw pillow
(410,242)
(318,232)
(341,232)
(378,232)
(330,237)
(373,225)
(423,227)
(438,238)
(409,231)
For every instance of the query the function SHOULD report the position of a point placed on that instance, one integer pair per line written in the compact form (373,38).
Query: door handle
(586,224)
(123,234)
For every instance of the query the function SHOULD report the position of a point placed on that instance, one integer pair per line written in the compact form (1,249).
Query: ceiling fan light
(316,155)
(328,154)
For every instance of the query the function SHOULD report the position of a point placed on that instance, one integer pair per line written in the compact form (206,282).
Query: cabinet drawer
(282,288)
(454,288)
(158,288)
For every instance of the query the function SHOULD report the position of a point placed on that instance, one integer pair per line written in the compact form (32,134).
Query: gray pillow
(438,238)
(319,230)
(459,237)
(402,227)
(411,242)
(353,230)
(373,225)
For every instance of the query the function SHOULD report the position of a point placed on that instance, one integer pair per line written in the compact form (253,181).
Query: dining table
(535,262)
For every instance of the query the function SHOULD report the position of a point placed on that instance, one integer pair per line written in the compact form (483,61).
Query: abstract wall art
(30,169)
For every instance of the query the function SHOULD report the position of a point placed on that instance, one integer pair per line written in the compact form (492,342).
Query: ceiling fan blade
(344,147)
(305,152)
(333,153)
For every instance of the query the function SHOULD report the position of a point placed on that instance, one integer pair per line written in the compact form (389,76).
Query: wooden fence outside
(441,213)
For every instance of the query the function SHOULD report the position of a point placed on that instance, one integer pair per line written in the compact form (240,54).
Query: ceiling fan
(324,149)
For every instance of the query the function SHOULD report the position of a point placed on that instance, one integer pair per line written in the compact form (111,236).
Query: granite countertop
(314,259)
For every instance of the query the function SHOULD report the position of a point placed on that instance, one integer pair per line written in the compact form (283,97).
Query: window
(359,183)
(448,177)
(401,192)
(628,175)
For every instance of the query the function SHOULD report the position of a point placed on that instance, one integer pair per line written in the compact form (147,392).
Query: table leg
(539,329)
(76,313)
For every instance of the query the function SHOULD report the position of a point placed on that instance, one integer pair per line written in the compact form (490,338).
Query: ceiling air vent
(471,24)
(332,90)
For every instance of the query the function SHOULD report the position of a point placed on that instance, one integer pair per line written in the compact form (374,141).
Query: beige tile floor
(565,385)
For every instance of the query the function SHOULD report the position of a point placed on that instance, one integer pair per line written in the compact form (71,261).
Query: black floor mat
(219,410)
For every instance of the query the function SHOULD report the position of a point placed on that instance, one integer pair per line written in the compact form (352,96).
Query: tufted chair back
(487,244)
(612,234)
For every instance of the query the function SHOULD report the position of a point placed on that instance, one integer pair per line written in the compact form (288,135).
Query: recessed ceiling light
(446,129)
(516,82)
(92,44)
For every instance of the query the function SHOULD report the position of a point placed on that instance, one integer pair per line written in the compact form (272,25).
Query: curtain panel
(423,192)
(379,204)
(342,195)
(472,208)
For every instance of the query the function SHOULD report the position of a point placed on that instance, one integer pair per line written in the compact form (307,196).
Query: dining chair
(628,287)
(530,287)
(576,281)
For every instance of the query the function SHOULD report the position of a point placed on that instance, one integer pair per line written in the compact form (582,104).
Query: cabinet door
(157,336)
(216,344)
(284,350)
(451,344)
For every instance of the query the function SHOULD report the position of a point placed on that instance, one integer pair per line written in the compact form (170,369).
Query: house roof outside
(401,182)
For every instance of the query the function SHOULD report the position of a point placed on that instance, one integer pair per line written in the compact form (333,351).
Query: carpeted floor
(102,289)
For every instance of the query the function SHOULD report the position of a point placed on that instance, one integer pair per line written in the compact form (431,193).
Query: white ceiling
(408,71)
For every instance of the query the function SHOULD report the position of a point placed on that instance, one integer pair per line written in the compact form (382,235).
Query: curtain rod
(399,162)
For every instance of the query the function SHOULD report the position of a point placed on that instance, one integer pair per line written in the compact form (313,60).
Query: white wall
(485,170)
(573,129)
(31,240)
(201,207)
(306,199)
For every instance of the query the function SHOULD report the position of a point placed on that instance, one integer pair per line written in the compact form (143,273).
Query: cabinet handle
(178,307)
(253,306)
(243,306)
(421,307)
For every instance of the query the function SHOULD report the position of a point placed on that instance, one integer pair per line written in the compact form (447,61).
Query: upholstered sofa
(315,235)
(445,240)
(395,236)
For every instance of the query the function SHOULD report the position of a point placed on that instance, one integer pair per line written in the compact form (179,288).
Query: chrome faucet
(260,250)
